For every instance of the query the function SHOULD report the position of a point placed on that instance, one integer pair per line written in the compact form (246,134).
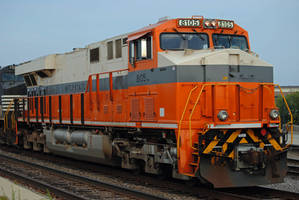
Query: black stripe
(42,108)
(50,109)
(232,146)
(213,102)
(209,137)
(16,108)
(28,108)
(32,102)
(264,139)
(23,109)
(36,107)
(82,108)
(169,74)
(60,117)
(200,142)
(238,97)
(71,108)
(261,106)
(249,139)
(45,105)
(224,137)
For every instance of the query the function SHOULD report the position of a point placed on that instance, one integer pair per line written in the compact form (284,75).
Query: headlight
(207,23)
(222,115)
(274,114)
(213,23)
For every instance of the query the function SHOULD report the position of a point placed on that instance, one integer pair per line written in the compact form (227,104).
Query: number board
(225,24)
(189,22)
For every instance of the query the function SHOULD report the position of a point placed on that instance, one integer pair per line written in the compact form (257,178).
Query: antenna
(197,16)
(163,19)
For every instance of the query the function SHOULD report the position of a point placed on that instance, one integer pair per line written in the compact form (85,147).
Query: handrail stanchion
(191,114)
(110,85)
(182,117)
(290,113)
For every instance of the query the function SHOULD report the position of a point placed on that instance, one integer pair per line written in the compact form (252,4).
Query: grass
(3,196)
(49,196)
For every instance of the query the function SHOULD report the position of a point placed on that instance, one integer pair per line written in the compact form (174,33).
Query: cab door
(140,80)
(141,52)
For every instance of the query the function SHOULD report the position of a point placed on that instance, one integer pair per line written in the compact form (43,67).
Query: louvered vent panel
(105,109)
(135,110)
(149,109)
(119,108)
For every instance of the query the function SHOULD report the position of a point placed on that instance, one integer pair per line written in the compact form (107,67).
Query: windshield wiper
(199,35)
(229,41)
(215,40)
(180,34)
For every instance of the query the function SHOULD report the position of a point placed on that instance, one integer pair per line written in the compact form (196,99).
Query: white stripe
(110,123)
(255,125)
(158,125)
(93,122)
(273,125)
(151,125)
(114,74)
(98,123)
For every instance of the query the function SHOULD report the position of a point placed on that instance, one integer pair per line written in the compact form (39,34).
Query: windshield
(181,41)
(230,41)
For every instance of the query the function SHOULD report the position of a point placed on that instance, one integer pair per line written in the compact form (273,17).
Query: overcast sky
(33,28)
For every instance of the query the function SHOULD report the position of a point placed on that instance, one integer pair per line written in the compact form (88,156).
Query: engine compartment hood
(210,57)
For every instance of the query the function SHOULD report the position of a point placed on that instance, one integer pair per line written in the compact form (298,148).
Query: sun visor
(135,37)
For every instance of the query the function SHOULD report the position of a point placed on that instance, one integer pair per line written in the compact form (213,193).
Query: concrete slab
(13,191)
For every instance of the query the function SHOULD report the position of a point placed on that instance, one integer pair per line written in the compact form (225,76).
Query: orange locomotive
(185,96)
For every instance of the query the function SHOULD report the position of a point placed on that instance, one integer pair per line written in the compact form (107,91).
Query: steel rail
(293,170)
(293,160)
(204,193)
(42,185)
(261,192)
(229,194)
(108,186)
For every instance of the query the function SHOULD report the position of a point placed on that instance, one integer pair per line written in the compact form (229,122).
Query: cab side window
(141,49)
(110,50)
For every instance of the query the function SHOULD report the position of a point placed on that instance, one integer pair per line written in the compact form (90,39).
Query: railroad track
(259,192)
(16,164)
(91,189)
(67,185)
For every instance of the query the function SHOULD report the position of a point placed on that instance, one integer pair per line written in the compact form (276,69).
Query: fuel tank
(81,145)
